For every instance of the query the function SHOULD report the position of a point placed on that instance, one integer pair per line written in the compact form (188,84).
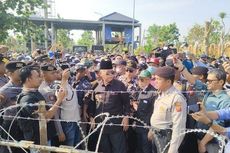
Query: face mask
(141,62)
(118,69)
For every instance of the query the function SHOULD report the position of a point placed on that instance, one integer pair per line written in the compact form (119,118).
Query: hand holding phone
(193,108)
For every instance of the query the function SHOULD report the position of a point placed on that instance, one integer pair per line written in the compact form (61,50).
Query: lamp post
(134,1)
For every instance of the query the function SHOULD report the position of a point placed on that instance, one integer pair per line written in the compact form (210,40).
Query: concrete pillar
(53,33)
(140,39)
(97,37)
(103,34)
(46,26)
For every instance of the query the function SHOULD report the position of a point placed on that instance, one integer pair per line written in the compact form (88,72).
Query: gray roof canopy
(117,17)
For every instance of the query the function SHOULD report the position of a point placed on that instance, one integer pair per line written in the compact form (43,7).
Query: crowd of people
(169,91)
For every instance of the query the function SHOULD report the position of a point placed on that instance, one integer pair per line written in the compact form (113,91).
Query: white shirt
(70,109)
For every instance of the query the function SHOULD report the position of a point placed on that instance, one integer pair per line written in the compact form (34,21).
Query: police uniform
(8,94)
(48,92)
(3,79)
(169,115)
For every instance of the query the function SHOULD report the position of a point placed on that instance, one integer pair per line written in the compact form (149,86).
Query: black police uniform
(10,92)
(8,98)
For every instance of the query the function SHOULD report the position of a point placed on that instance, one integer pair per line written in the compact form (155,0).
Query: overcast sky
(184,13)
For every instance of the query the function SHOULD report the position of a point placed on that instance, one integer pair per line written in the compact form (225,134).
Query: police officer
(169,114)
(8,94)
(47,89)
(143,110)
(3,78)
(31,80)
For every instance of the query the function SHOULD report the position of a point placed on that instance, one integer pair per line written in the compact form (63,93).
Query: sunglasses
(141,79)
(210,81)
(110,72)
(130,70)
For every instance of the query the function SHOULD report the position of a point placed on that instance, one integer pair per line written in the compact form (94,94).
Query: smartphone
(64,66)
(193,108)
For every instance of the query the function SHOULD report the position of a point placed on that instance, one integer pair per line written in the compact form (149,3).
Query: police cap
(14,65)
(48,67)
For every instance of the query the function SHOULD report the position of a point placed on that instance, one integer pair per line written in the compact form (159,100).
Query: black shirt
(146,101)
(30,128)
(115,103)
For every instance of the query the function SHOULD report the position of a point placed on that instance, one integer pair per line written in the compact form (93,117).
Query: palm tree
(222,15)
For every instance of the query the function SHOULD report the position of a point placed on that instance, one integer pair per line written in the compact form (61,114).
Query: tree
(195,34)
(158,35)
(16,43)
(222,15)
(206,34)
(86,39)
(63,38)
(14,15)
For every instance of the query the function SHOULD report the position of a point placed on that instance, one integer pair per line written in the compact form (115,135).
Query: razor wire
(104,123)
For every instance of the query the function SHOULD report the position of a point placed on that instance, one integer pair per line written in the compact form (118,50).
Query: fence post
(42,124)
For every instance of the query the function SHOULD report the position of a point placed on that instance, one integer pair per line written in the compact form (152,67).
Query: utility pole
(46,24)
(133,26)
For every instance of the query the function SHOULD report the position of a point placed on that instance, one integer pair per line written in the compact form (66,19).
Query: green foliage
(14,15)
(215,32)
(16,43)
(196,33)
(63,38)
(159,35)
(86,39)
(222,15)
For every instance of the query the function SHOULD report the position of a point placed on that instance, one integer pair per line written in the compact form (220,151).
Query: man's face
(143,82)
(50,75)
(80,73)
(130,72)
(2,68)
(213,83)
(35,79)
(120,69)
(118,58)
(142,60)
(58,74)
(15,75)
(107,75)
(161,83)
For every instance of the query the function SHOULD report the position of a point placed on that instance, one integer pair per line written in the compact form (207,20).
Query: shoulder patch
(178,106)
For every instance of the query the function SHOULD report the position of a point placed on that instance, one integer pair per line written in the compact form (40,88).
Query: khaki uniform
(170,111)
(48,92)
